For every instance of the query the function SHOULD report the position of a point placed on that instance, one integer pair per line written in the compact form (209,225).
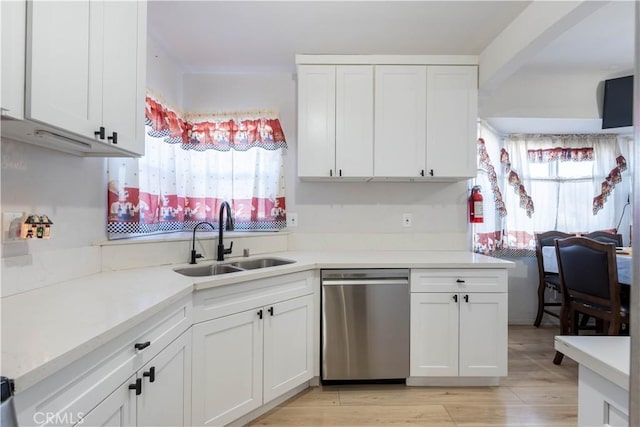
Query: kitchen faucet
(229,225)
(195,255)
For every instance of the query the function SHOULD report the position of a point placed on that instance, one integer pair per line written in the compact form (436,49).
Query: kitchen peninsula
(105,335)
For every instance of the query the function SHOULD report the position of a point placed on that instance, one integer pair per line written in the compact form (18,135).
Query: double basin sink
(232,267)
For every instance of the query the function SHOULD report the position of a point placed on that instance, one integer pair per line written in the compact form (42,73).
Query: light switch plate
(7,219)
(407,220)
(292,219)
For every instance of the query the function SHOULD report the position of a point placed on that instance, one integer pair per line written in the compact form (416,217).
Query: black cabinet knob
(100,132)
(113,138)
(142,345)
(137,386)
(151,373)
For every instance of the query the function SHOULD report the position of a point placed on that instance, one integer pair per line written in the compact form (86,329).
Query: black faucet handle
(228,251)
(194,256)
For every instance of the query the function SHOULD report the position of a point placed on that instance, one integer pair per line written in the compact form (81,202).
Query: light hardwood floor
(536,393)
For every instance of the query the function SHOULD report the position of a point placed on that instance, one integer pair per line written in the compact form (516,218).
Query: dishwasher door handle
(326,282)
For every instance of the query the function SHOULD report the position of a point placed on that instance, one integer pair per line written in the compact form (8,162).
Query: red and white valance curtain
(193,162)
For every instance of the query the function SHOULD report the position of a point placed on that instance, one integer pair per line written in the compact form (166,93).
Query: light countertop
(45,329)
(608,356)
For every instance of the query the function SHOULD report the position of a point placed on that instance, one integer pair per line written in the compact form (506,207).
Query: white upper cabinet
(362,118)
(400,121)
(452,112)
(316,120)
(354,121)
(335,127)
(13,30)
(84,77)
(64,65)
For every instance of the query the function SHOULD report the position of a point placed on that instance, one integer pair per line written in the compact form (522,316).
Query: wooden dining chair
(605,237)
(589,279)
(547,279)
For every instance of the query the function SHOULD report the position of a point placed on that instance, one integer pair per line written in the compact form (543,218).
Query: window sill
(187,236)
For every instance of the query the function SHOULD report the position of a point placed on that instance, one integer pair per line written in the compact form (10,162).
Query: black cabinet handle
(459,281)
(100,132)
(455,298)
(466,298)
(151,373)
(431,172)
(330,172)
(340,171)
(113,138)
(142,345)
(137,386)
(422,172)
(270,311)
(260,314)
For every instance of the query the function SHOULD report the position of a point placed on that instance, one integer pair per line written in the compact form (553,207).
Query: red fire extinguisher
(475,206)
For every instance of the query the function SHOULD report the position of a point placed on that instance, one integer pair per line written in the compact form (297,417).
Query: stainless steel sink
(208,270)
(253,264)
(232,267)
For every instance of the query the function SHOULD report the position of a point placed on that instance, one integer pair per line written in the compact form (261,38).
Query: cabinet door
(125,32)
(13,38)
(400,120)
(354,121)
(166,386)
(227,368)
(288,346)
(483,334)
(64,64)
(316,120)
(452,114)
(434,334)
(117,410)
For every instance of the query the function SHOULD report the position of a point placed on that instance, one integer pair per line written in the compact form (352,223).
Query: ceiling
(264,36)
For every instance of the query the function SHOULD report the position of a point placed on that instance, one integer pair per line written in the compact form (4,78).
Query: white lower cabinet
(460,333)
(227,367)
(117,410)
(157,395)
(142,377)
(288,346)
(165,398)
(244,360)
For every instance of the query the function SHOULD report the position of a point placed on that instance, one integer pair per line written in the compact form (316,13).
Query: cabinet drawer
(167,327)
(225,300)
(77,388)
(458,280)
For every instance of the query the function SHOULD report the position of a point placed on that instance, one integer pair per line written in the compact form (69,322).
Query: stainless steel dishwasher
(365,324)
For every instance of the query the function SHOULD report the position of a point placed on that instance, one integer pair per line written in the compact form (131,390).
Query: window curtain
(551,182)
(193,162)
(562,187)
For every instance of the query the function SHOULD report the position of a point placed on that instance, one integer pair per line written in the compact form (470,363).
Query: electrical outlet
(292,219)
(407,220)
(11,226)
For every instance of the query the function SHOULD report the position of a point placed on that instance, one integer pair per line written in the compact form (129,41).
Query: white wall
(72,192)
(535,93)
(339,215)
